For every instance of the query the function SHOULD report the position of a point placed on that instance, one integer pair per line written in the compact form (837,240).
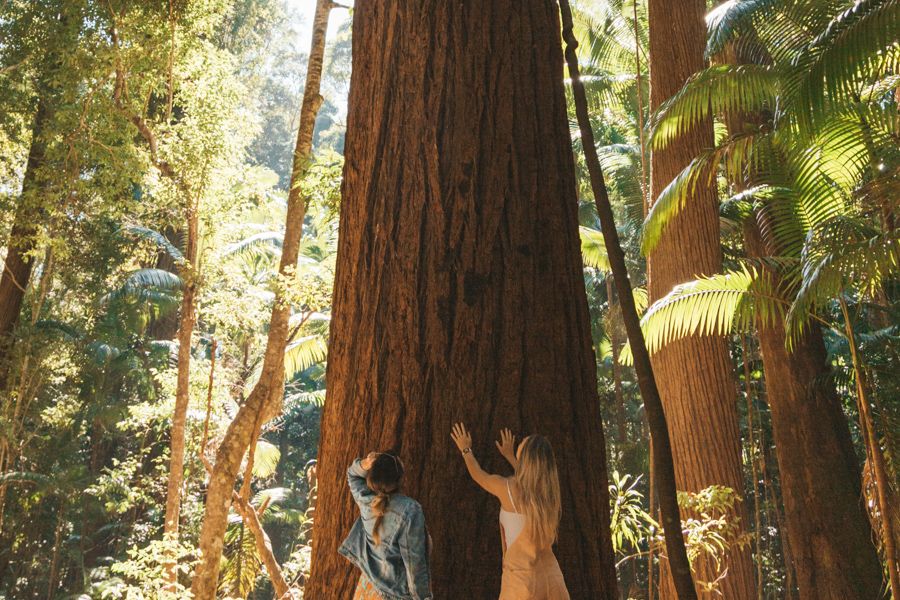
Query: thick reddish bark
(695,374)
(20,245)
(833,554)
(459,293)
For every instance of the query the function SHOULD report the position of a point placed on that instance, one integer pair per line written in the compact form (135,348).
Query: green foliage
(629,523)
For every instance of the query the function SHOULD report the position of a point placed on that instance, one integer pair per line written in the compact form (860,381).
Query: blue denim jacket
(398,567)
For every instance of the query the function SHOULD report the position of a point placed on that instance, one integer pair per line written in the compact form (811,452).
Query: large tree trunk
(264,401)
(459,293)
(20,245)
(833,554)
(695,374)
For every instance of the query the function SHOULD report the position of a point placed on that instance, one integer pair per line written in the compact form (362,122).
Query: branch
(263,545)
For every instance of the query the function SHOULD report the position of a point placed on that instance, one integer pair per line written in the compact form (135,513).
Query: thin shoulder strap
(509,492)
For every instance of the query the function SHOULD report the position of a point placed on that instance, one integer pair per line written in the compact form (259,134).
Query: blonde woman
(529,514)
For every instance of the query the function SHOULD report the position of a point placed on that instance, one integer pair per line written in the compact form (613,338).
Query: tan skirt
(531,574)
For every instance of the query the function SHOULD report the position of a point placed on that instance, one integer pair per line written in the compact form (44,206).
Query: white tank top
(512,522)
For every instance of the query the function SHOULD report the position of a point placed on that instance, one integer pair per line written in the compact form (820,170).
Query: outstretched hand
(461,437)
(507,445)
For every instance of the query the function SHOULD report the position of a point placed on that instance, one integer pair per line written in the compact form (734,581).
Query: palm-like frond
(733,19)
(265,459)
(735,153)
(315,397)
(716,305)
(154,286)
(840,255)
(734,89)
(846,55)
(158,239)
(303,353)
(241,564)
(264,241)
(593,250)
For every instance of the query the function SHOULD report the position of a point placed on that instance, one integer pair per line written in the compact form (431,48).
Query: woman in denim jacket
(388,543)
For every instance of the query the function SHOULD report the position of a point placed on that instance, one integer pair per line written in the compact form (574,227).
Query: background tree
(695,375)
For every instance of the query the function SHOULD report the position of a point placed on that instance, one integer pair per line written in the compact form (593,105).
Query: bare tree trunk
(875,455)
(616,368)
(775,504)
(182,389)
(459,290)
(20,245)
(661,451)
(265,399)
(751,444)
(695,375)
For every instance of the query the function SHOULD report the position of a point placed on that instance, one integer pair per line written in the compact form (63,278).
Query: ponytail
(383,479)
(379,507)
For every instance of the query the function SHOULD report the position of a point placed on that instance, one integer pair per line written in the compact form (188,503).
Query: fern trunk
(695,374)
(459,292)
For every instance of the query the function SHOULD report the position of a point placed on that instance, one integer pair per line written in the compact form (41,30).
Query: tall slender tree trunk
(661,449)
(695,375)
(264,401)
(20,244)
(751,453)
(616,367)
(874,455)
(182,387)
(459,293)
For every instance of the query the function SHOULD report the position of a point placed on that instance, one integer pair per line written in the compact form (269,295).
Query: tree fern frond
(593,249)
(717,305)
(731,89)
(158,239)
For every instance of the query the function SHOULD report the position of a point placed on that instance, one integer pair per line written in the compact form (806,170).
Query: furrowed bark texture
(459,292)
(825,518)
(695,375)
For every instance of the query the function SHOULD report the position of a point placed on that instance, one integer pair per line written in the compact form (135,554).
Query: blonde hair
(538,482)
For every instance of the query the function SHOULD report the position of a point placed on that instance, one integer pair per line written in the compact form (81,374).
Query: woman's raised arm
(493,484)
